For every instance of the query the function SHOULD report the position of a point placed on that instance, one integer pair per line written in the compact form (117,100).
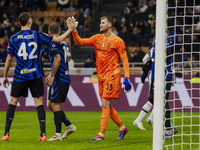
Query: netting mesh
(183,28)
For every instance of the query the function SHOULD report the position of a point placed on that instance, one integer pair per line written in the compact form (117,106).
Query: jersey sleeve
(64,43)
(125,62)
(45,37)
(121,48)
(86,41)
(55,49)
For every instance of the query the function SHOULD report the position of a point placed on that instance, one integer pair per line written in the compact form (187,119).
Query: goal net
(183,29)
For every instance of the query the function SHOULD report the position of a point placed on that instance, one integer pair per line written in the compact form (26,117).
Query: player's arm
(59,39)
(6,69)
(169,60)
(126,84)
(125,63)
(55,51)
(79,40)
(56,63)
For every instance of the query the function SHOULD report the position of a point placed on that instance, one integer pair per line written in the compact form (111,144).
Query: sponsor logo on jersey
(109,45)
(102,50)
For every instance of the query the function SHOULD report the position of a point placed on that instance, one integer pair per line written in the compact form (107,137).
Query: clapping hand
(71,20)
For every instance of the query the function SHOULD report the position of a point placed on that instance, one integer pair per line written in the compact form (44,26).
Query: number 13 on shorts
(112,87)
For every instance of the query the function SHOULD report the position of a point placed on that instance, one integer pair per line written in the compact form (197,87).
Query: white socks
(101,134)
(122,128)
(145,109)
(151,115)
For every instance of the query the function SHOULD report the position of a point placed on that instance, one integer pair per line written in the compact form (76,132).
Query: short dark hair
(108,18)
(54,28)
(23,18)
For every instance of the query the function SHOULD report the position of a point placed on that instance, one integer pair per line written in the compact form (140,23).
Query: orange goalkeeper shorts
(111,87)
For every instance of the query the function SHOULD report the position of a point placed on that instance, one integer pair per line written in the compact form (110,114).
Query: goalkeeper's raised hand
(126,85)
(70,19)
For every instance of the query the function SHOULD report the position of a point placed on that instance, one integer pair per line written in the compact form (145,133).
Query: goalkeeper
(108,48)
(148,69)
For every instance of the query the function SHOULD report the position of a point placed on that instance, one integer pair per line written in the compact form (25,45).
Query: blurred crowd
(183,28)
(10,10)
(132,25)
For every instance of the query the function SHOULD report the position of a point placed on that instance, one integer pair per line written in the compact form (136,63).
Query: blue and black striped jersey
(62,74)
(168,71)
(26,46)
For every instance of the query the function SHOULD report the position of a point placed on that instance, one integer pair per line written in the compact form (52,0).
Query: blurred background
(130,19)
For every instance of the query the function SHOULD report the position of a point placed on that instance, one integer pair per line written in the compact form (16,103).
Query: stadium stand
(129,14)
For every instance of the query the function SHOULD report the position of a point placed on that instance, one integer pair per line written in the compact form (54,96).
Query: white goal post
(159,75)
(182,24)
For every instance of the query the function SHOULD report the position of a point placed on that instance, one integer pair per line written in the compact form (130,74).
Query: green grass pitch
(25,132)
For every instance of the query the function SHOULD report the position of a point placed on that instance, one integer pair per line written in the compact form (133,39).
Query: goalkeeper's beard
(103,30)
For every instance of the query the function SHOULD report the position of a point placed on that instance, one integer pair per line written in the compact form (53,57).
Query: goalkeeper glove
(76,22)
(126,85)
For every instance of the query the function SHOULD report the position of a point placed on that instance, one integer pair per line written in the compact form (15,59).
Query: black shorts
(58,92)
(21,88)
(168,88)
(151,90)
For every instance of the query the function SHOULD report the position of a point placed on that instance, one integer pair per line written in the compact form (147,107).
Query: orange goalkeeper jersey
(107,52)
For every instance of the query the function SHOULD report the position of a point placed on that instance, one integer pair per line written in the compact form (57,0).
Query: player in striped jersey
(59,80)
(168,75)
(26,47)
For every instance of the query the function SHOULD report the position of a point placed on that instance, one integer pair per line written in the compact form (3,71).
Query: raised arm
(79,40)
(71,25)
(59,39)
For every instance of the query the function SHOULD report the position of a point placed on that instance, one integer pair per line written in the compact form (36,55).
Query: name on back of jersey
(31,36)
